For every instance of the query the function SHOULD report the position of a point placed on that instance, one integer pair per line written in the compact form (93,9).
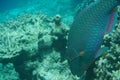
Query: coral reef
(36,44)
(7,72)
(52,69)
(57,20)
(19,42)
(20,34)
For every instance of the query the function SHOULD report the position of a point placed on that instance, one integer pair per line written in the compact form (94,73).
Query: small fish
(86,34)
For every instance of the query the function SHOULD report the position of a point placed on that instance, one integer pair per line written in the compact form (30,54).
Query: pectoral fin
(102,51)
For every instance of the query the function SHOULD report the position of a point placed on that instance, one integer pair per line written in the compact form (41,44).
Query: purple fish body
(86,34)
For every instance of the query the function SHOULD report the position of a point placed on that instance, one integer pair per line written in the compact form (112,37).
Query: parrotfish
(86,34)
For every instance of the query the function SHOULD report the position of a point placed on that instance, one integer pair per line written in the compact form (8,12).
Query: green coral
(7,72)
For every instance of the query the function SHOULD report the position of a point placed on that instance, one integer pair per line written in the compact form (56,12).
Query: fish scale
(86,34)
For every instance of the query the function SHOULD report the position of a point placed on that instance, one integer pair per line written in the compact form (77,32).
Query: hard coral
(35,47)
(19,34)
(57,19)
(7,72)
(52,69)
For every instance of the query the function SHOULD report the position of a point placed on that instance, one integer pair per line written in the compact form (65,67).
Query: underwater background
(33,39)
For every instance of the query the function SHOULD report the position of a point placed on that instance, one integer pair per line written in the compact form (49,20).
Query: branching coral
(20,34)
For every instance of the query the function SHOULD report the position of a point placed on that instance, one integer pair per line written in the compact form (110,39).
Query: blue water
(13,8)
(11,4)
